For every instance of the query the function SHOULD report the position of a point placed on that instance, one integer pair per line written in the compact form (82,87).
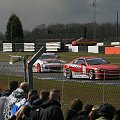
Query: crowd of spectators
(45,105)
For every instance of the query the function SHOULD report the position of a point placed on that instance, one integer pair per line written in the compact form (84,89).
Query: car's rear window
(48,56)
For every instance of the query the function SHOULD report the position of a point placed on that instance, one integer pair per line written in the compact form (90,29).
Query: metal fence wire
(89,91)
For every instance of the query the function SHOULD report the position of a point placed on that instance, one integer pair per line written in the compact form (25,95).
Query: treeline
(100,32)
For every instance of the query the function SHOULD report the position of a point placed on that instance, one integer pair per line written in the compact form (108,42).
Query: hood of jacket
(18,93)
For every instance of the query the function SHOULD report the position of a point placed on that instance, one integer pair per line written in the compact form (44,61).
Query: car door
(80,66)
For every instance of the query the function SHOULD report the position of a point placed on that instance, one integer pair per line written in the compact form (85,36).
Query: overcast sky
(36,12)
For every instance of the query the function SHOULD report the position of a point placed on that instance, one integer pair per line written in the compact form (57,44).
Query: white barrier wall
(52,46)
(29,46)
(55,46)
(69,47)
(74,48)
(115,43)
(7,47)
(93,49)
(100,44)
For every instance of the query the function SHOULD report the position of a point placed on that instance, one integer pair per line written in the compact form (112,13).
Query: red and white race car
(48,62)
(91,68)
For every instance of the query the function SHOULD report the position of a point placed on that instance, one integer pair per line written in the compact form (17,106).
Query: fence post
(25,76)
(31,62)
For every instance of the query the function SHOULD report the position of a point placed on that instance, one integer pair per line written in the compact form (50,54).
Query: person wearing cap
(106,112)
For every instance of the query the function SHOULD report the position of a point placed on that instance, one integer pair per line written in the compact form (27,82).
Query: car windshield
(96,61)
(47,56)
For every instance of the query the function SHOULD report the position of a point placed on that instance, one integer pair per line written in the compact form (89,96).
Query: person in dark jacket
(87,108)
(76,106)
(117,115)
(106,112)
(50,110)
(44,96)
(13,85)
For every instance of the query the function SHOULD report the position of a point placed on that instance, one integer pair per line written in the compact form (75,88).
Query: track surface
(18,69)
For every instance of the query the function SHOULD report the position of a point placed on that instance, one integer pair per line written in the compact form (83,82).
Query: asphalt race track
(18,69)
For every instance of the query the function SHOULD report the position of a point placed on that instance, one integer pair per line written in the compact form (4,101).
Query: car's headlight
(97,69)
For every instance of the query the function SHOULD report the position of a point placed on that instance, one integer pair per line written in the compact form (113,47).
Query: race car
(83,42)
(91,68)
(48,62)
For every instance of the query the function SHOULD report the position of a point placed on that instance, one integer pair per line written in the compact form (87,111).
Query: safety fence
(89,91)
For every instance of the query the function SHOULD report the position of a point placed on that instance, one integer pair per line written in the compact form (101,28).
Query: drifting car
(48,62)
(83,42)
(91,68)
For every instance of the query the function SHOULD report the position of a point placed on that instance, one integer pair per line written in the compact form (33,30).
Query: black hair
(76,105)
(13,85)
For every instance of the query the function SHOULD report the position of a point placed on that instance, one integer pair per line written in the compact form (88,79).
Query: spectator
(106,112)
(24,101)
(20,92)
(14,97)
(51,110)
(93,115)
(25,86)
(76,107)
(2,103)
(87,108)
(44,96)
(117,115)
(13,85)
(25,105)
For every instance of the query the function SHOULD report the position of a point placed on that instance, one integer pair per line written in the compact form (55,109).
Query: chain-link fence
(89,91)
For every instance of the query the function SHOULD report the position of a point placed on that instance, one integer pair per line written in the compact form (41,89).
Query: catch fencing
(93,92)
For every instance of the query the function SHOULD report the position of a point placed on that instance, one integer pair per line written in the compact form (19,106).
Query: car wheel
(68,74)
(38,68)
(91,75)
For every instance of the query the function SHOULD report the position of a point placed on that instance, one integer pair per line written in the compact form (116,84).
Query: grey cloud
(35,12)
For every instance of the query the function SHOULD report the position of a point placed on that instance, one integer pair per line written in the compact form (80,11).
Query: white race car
(48,62)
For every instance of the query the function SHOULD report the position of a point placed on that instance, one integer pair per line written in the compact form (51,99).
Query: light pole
(117,26)
(94,19)
(11,33)
(12,37)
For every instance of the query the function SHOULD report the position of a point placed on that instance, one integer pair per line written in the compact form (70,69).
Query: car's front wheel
(68,74)
(38,68)
(91,75)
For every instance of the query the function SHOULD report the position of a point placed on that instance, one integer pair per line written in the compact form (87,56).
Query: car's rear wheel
(38,68)
(91,75)
(68,74)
